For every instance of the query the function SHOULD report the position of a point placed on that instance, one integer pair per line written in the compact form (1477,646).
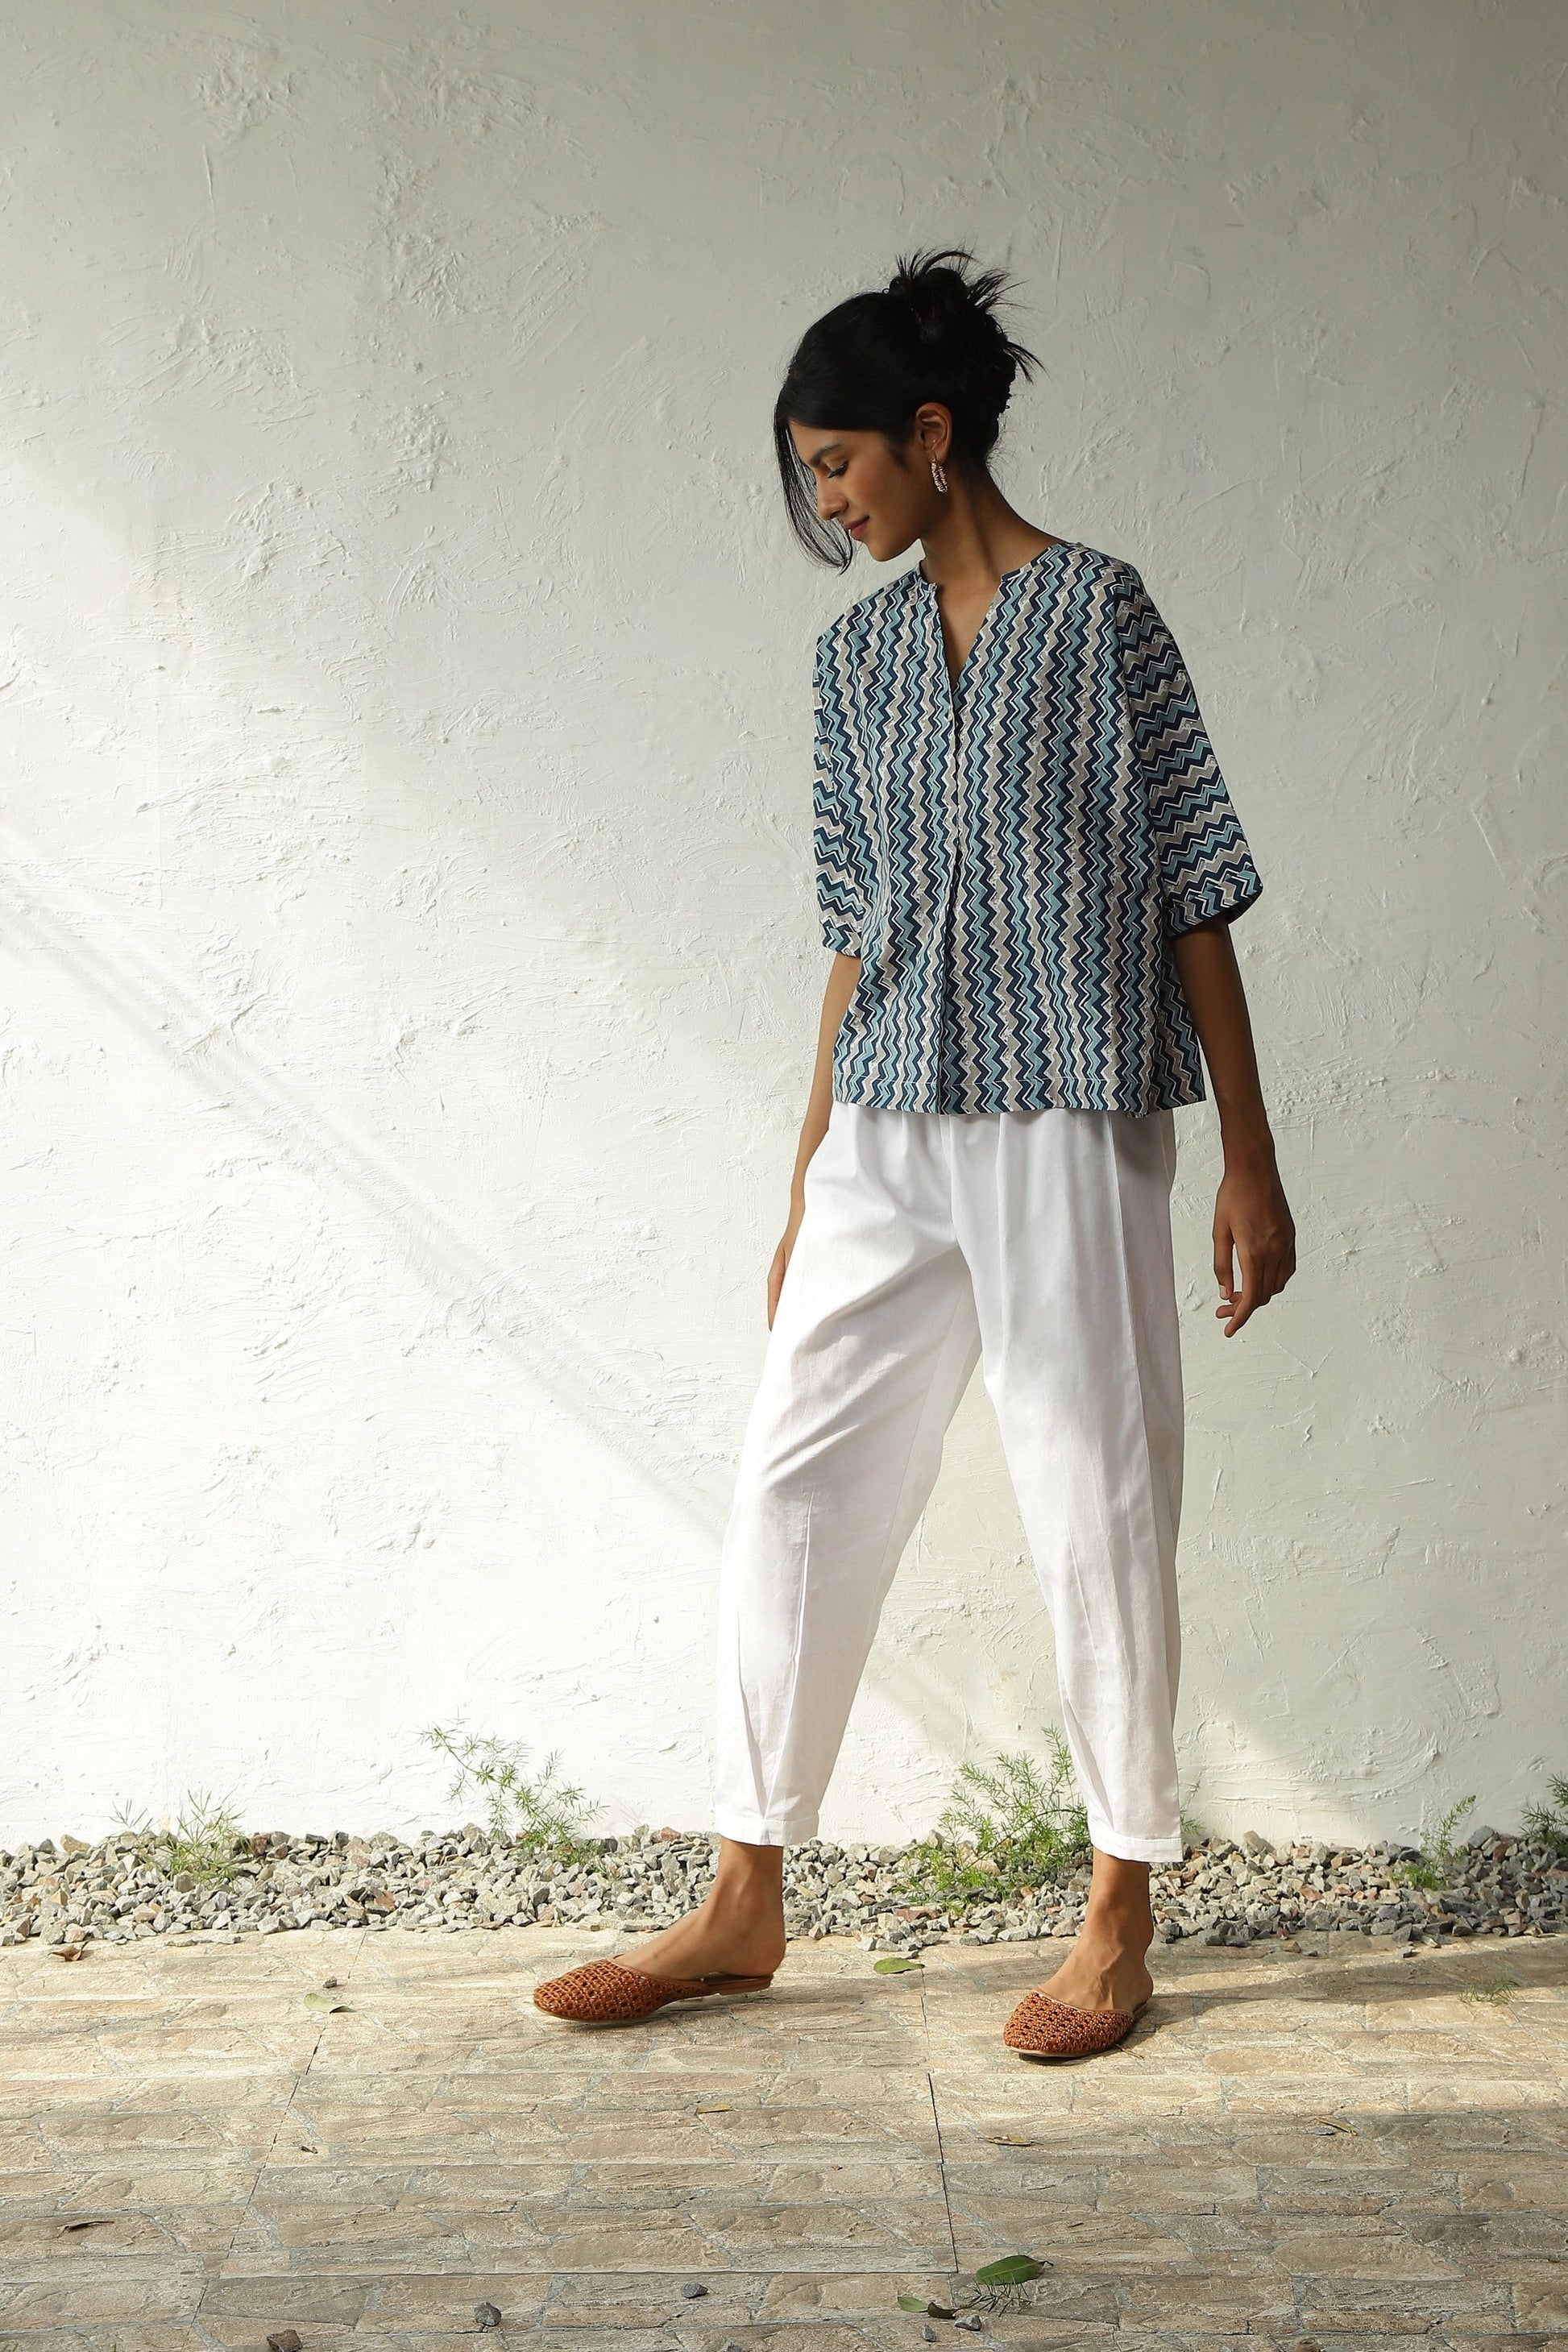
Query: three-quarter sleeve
(843,878)
(1205,864)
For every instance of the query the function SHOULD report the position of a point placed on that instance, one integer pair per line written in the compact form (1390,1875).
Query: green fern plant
(538,1816)
(1010,1825)
(204,1840)
(1438,1861)
(1547,1824)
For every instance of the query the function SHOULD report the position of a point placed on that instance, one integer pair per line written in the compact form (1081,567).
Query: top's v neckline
(1014,572)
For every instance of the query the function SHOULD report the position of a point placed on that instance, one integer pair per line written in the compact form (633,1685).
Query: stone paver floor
(1338,2152)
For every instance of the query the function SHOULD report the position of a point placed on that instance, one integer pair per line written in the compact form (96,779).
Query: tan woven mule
(601,1992)
(1043,2027)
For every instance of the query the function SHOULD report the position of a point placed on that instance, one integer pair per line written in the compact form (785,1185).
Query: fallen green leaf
(928,2310)
(324,2001)
(894,1965)
(1011,2271)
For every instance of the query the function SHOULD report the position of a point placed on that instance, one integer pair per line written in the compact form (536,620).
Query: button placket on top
(952,790)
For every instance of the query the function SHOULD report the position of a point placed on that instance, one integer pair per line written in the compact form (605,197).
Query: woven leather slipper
(601,1992)
(1043,2027)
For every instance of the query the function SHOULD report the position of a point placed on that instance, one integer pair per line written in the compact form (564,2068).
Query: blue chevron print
(1008,857)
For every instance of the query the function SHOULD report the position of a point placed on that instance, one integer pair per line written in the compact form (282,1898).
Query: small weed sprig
(206,1840)
(539,1816)
(1439,1860)
(1012,1825)
(1497,1992)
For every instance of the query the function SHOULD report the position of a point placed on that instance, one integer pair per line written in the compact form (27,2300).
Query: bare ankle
(1123,1931)
(749,1878)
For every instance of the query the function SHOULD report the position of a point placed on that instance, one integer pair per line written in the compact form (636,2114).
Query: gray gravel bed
(466,1880)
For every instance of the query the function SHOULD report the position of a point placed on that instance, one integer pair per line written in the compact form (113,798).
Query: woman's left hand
(1251,1218)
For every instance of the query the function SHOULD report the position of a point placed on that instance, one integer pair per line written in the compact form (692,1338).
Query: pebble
(1223,1891)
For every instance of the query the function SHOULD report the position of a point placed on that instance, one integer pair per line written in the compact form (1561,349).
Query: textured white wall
(410,967)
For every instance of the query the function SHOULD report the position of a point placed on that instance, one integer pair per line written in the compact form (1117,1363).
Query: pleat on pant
(1038,1244)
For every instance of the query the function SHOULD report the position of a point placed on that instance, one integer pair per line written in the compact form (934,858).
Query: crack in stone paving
(215,2272)
(942,2173)
(936,2126)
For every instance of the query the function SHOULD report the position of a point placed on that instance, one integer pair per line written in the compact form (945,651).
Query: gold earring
(939,474)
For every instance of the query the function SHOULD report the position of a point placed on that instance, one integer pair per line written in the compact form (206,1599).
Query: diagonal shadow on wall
(494,1303)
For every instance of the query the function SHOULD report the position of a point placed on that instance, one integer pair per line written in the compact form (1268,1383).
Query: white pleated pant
(1040,1240)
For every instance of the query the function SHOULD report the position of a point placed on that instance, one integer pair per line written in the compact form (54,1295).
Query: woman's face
(860,484)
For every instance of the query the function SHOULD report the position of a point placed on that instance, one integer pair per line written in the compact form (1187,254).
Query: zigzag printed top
(1007,858)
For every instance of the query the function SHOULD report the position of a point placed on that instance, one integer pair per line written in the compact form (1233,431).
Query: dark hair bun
(938,293)
(955,316)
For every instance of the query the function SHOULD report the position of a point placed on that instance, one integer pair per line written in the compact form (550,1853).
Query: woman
(1027,863)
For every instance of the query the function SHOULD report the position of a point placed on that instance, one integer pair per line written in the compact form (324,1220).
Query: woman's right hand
(842,980)
(782,1257)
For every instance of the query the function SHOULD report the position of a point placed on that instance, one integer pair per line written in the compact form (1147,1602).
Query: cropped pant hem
(752,1829)
(1123,1847)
